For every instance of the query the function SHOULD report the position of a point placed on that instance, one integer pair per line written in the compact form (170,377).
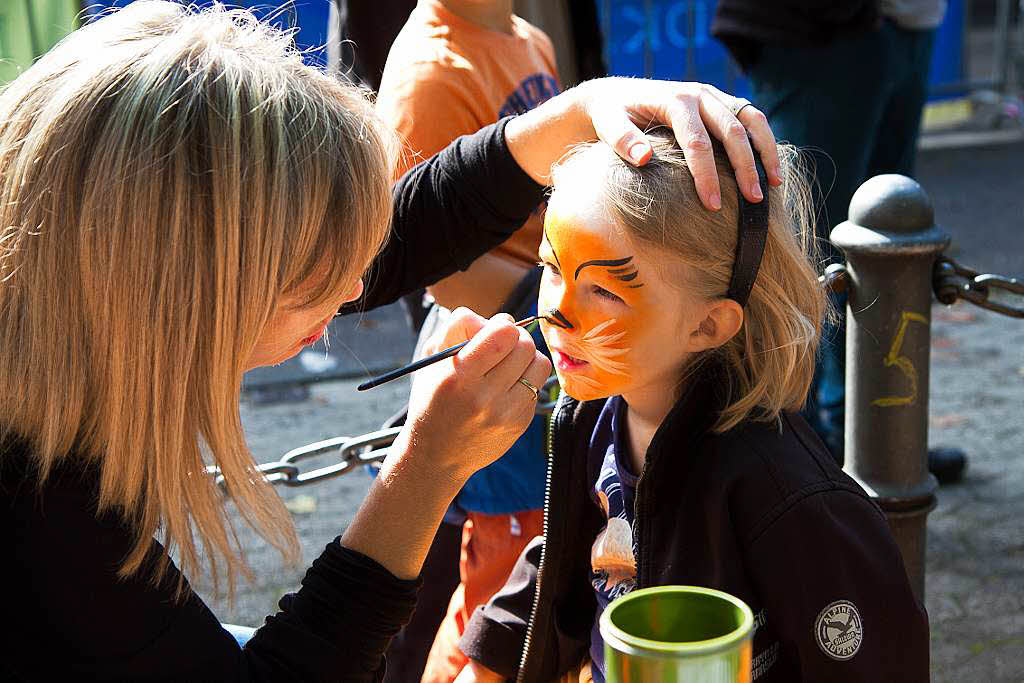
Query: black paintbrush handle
(424,362)
(411,367)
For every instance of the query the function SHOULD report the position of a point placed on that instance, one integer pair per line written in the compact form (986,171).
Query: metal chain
(351,451)
(836,278)
(952,282)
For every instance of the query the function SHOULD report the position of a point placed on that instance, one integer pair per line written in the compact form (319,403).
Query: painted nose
(556,318)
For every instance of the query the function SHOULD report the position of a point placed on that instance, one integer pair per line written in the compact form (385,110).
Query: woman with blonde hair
(183,200)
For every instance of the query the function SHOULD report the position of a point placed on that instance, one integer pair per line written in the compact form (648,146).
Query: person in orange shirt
(456,66)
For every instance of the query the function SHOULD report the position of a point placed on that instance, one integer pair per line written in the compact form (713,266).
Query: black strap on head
(753,232)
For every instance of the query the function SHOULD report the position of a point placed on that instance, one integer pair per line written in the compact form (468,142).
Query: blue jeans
(853,105)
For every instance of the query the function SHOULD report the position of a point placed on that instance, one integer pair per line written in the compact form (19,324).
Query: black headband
(753,232)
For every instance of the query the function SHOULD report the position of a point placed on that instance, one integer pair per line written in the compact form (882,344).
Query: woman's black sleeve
(339,623)
(74,618)
(335,628)
(448,210)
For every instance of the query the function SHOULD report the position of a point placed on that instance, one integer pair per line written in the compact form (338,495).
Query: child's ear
(722,320)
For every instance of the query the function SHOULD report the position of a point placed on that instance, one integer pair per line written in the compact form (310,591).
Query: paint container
(677,634)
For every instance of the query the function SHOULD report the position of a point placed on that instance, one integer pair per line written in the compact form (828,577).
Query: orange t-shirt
(446,76)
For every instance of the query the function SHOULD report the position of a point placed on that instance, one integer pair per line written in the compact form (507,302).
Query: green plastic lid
(676,621)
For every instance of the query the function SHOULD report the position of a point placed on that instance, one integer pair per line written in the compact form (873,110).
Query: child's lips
(566,363)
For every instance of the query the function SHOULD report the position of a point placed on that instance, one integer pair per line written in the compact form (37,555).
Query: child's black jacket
(761,511)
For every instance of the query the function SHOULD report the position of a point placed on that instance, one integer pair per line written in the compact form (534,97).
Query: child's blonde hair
(166,175)
(771,359)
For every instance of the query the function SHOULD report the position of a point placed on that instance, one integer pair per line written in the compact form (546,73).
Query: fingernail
(637,151)
(755,190)
(716,201)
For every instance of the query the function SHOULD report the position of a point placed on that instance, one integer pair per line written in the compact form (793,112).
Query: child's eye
(604,293)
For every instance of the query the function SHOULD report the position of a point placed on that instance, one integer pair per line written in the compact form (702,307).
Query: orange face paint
(594,280)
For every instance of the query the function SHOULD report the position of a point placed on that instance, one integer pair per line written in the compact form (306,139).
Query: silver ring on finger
(533,389)
(738,105)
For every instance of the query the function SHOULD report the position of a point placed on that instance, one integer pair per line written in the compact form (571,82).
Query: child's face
(630,326)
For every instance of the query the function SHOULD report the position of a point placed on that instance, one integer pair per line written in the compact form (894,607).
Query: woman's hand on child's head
(468,410)
(692,110)
(613,108)
(478,673)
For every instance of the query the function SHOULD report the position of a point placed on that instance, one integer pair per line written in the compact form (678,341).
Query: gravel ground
(320,511)
(975,557)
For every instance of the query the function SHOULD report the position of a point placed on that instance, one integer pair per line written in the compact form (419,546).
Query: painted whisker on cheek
(607,344)
(604,361)
(594,332)
(601,348)
(587,383)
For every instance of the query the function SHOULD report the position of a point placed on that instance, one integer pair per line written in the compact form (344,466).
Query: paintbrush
(430,360)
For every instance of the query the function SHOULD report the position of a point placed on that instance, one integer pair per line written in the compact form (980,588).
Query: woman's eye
(604,293)
(550,267)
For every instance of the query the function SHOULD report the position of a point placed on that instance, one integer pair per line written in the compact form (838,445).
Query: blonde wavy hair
(771,360)
(167,175)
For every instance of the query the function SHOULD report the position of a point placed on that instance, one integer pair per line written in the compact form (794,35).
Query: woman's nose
(355,292)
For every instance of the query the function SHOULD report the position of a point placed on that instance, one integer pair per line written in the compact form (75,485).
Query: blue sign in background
(667,39)
(310,16)
(671,39)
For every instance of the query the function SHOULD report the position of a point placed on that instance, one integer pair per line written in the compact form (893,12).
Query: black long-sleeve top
(71,618)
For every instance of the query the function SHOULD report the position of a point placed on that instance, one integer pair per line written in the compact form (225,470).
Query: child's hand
(467,411)
(478,673)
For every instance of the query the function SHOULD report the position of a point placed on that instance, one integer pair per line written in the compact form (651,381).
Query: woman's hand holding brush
(464,413)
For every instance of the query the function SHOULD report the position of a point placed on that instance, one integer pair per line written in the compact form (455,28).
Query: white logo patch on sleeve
(839,630)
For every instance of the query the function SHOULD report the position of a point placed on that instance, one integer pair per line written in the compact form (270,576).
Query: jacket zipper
(639,526)
(641,523)
(544,550)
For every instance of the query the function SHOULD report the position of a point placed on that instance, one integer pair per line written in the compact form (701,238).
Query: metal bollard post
(891,243)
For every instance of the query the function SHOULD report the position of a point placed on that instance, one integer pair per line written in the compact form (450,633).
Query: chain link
(952,281)
(836,279)
(351,452)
